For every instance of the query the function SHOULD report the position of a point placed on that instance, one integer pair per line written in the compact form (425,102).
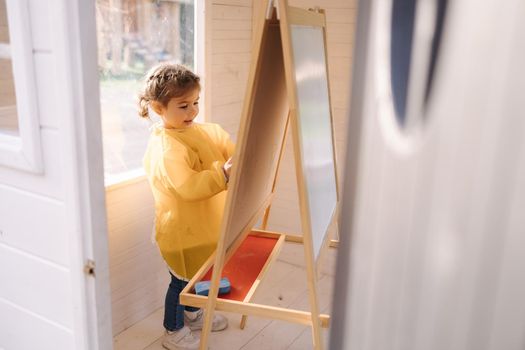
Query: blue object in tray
(203,287)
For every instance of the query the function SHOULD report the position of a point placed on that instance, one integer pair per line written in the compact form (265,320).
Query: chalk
(203,287)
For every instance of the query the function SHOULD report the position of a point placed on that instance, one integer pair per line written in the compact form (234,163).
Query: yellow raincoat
(184,170)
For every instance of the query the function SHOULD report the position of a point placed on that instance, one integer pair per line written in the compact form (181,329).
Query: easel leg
(314,306)
(243,321)
(212,297)
(206,328)
(266,217)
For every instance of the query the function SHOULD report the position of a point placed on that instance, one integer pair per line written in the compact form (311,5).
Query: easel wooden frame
(286,16)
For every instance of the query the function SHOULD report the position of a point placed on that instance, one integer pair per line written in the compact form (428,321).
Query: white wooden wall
(228,59)
(139,277)
(51,222)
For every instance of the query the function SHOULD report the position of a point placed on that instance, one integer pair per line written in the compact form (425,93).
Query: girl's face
(180,111)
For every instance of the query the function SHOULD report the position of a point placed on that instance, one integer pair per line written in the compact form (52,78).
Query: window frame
(24,151)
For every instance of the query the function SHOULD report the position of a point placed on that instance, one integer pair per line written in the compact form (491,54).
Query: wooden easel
(281,89)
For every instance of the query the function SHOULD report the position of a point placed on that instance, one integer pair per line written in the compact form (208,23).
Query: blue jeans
(173,310)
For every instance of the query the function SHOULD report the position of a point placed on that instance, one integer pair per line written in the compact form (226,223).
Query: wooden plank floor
(284,286)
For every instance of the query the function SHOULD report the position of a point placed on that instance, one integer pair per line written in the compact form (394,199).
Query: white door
(54,290)
(433,232)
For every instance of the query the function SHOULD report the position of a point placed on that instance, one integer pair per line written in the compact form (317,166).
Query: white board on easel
(315,129)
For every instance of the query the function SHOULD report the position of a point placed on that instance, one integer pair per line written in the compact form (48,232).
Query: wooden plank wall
(138,276)
(229,60)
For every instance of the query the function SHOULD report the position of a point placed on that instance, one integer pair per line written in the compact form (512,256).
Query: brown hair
(164,82)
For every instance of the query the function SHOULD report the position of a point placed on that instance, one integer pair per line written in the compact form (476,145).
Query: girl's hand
(227,168)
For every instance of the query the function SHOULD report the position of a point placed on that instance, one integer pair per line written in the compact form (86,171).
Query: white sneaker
(183,339)
(196,322)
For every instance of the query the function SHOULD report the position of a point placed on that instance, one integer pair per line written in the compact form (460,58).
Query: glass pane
(8,113)
(134,35)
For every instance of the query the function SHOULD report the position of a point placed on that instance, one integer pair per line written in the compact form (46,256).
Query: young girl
(188,166)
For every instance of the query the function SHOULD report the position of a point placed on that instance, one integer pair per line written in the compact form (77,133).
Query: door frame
(81,138)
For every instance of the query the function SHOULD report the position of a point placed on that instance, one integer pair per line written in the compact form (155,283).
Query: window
(20,146)
(134,35)
(8,113)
